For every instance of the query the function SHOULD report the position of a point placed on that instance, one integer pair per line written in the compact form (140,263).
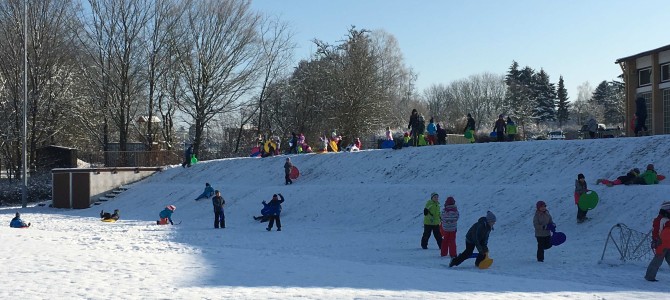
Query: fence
(112,159)
(628,243)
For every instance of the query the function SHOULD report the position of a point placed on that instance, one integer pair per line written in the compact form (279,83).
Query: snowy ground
(352,224)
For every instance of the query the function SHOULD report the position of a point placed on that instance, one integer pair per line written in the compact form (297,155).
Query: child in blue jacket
(208,192)
(17,222)
(166,215)
(274,210)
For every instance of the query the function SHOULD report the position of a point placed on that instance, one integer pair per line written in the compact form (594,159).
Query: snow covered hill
(352,226)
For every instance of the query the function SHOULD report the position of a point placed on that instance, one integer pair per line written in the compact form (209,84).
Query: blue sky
(448,40)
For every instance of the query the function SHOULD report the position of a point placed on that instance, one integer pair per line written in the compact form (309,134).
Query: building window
(665,72)
(644,76)
(666,111)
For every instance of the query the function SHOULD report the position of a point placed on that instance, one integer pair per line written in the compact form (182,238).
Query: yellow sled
(486,263)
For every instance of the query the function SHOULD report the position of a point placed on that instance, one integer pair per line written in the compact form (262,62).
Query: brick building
(647,75)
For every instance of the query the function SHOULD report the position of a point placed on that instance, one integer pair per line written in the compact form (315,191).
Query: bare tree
(161,30)
(276,44)
(217,59)
(51,73)
(115,45)
(582,108)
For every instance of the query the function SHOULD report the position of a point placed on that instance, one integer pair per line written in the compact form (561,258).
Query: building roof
(645,53)
(58,147)
(154,119)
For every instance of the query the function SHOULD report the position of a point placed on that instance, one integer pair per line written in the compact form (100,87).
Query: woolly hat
(490,217)
(580,176)
(650,166)
(171,207)
(540,204)
(664,206)
(450,201)
(207,184)
(274,196)
(636,170)
(433,194)
(469,115)
(18,215)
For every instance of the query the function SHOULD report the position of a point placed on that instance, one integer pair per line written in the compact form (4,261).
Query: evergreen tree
(614,103)
(513,87)
(601,94)
(544,94)
(519,93)
(609,97)
(563,104)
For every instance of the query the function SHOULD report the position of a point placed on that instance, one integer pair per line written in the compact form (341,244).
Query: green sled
(588,201)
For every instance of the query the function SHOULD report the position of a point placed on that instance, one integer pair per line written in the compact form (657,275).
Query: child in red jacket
(661,247)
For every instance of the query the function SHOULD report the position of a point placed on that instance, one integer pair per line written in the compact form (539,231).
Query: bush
(39,189)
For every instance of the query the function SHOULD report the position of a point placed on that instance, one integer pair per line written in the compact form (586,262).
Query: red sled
(295,173)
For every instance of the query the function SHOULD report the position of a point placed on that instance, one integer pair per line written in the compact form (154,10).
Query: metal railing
(132,158)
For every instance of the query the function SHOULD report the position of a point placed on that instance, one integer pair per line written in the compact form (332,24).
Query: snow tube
(388,144)
(588,200)
(295,173)
(557,238)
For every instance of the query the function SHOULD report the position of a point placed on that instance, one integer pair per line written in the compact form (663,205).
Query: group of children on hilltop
(297,144)
(435,134)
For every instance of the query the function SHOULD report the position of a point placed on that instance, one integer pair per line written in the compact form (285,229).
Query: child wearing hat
(449,223)
(288,165)
(543,224)
(274,211)
(649,176)
(662,252)
(477,237)
(16,222)
(580,189)
(208,192)
(166,215)
(431,221)
(110,216)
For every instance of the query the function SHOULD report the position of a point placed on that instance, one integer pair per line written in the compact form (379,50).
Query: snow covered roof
(143,119)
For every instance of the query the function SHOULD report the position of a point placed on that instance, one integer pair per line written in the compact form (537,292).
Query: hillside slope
(366,207)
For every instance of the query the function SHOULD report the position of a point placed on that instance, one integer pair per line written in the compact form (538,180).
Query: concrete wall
(79,188)
(104,182)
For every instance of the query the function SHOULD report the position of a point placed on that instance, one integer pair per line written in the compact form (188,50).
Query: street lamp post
(24,189)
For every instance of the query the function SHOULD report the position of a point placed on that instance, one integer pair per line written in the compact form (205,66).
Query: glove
(425,212)
(655,243)
(551,227)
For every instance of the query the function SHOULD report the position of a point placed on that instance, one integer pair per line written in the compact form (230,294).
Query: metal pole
(24,197)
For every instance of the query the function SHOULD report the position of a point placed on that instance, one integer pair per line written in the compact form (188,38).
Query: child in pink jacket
(449,223)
